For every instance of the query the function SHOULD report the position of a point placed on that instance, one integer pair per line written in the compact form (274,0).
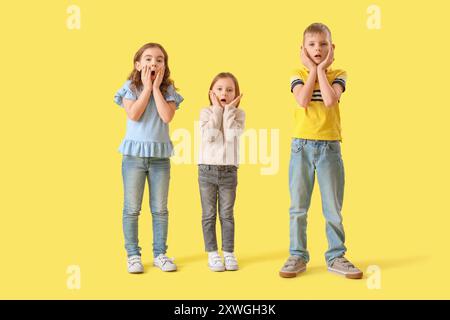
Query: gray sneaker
(292,267)
(345,268)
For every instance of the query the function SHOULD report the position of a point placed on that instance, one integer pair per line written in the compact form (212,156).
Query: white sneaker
(135,264)
(164,263)
(215,262)
(231,263)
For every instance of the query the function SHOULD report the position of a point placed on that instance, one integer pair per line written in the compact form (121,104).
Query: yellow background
(61,187)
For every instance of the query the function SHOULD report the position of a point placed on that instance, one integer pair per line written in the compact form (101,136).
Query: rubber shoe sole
(232,268)
(135,272)
(291,274)
(216,269)
(357,275)
(165,270)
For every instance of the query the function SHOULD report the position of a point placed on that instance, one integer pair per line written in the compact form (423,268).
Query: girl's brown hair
(225,75)
(135,75)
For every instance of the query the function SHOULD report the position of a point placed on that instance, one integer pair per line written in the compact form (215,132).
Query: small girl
(221,124)
(150,101)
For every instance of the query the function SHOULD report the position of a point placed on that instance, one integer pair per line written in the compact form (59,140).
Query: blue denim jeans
(323,157)
(135,170)
(217,188)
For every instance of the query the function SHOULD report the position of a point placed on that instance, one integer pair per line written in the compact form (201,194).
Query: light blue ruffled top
(149,136)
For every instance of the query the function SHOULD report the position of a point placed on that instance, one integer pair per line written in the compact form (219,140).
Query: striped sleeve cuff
(341,82)
(296,81)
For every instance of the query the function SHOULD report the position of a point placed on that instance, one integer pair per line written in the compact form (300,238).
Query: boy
(315,147)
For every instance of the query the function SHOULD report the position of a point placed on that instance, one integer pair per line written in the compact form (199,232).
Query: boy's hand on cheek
(328,60)
(306,60)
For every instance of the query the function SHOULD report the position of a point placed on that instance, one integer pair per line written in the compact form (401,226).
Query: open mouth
(153,72)
(223,100)
(317,56)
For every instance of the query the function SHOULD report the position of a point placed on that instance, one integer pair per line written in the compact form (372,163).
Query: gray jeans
(217,186)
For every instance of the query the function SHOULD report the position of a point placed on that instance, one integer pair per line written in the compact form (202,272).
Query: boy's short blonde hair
(317,28)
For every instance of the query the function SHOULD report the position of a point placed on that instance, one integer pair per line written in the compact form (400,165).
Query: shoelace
(230,259)
(216,259)
(291,262)
(347,264)
(165,259)
(134,261)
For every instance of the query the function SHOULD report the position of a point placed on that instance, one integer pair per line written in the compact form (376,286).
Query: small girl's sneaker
(215,262)
(231,263)
(135,264)
(164,263)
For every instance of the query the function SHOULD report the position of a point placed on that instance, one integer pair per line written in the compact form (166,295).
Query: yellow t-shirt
(318,122)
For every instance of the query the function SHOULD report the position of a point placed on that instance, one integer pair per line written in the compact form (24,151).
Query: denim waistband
(218,167)
(306,141)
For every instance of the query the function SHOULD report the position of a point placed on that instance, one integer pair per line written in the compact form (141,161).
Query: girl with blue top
(150,100)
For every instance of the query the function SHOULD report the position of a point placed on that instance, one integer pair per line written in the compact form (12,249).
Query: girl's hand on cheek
(159,78)
(146,77)
(235,101)
(214,100)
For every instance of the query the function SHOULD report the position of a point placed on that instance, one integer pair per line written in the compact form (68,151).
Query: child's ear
(137,65)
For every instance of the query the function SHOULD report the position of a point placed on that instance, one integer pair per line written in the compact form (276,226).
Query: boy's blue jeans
(323,157)
(135,170)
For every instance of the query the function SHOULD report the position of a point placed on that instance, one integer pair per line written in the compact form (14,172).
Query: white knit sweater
(220,130)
